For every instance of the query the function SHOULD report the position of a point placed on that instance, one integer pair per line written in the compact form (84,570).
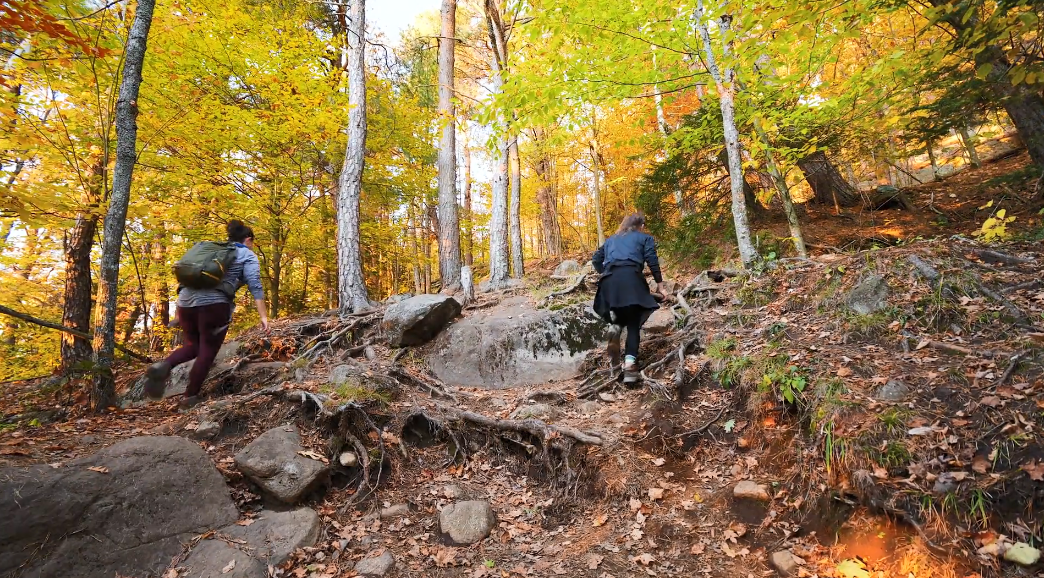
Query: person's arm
(252,276)
(597,260)
(652,259)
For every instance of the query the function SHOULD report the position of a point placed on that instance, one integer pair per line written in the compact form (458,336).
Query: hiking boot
(156,380)
(189,402)
(631,377)
(630,364)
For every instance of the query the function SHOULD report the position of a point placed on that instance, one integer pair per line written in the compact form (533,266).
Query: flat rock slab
(417,320)
(129,517)
(467,522)
(274,536)
(516,345)
(219,559)
(271,461)
(376,565)
(748,490)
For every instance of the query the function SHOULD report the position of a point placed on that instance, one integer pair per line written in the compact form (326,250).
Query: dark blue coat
(621,262)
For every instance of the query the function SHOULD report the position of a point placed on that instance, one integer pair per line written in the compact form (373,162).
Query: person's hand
(265,326)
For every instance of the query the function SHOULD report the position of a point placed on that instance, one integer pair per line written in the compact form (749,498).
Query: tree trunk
(104,393)
(724,81)
(515,213)
(417,287)
(595,173)
(498,222)
(784,193)
(969,146)
(928,145)
(449,223)
(467,283)
(749,197)
(469,216)
(826,182)
(76,307)
(551,238)
(351,285)
(6,225)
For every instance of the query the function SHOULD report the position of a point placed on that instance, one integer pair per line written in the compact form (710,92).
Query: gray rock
(375,566)
(516,345)
(467,522)
(668,287)
(607,397)
(617,419)
(894,390)
(348,459)
(271,461)
(219,559)
(155,494)
(395,511)
(784,563)
(566,270)
(1022,554)
(748,490)
(274,536)
(660,322)
(206,430)
(869,296)
(590,407)
(453,492)
(541,411)
(418,319)
(343,373)
(946,483)
(392,300)
(178,381)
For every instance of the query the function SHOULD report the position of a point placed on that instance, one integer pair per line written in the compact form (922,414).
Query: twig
(704,427)
(1015,359)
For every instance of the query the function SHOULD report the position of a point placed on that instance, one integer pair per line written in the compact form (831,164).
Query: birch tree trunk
(595,172)
(515,211)
(784,194)
(351,285)
(469,220)
(498,226)
(724,81)
(449,222)
(104,392)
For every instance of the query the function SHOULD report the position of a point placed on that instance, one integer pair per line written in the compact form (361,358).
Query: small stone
(467,522)
(453,492)
(206,430)
(590,407)
(348,459)
(784,563)
(1022,554)
(607,397)
(748,490)
(376,566)
(395,511)
(540,411)
(617,419)
(869,296)
(894,390)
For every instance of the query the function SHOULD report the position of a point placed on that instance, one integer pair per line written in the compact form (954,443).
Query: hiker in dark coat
(204,316)
(624,297)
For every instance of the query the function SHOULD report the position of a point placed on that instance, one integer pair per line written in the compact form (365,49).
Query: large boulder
(128,516)
(516,345)
(273,463)
(566,270)
(417,320)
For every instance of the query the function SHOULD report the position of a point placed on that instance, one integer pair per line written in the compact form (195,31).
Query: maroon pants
(204,329)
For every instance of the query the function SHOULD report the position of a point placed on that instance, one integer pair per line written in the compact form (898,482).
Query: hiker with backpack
(208,277)
(624,298)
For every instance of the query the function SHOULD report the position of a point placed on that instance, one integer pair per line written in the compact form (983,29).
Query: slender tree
(515,211)
(498,226)
(449,223)
(351,285)
(104,393)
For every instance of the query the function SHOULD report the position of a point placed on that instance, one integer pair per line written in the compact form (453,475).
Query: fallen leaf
(880,473)
(636,504)
(593,561)
(637,534)
(228,568)
(312,455)
(697,549)
(852,569)
(645,559)
(844,372)
(444,557)
(599,520)
(99,469)
(246,522)
(656,493)
(921,431)
(991,401)
(659,462)
(980,464)
(1035,470)
(730,425)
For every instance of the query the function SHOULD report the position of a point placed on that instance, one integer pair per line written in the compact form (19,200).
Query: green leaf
(983,72)
(730,425)
(852,569)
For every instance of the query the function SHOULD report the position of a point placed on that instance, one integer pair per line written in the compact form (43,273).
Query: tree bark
(826,182)
(595,173)
(784,193)
(76,307)
(104,393)
(969,146)
(724,81)
(749,197)
(469,216)
(351,284)
(551,237)
(449,222)
(515,211)
(498,227)
(928,145)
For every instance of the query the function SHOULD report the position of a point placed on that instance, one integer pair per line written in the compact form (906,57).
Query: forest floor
(904,441)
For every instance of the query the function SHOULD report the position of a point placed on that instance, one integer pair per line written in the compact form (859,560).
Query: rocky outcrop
(127,510)
(417,320)
(273,462)
(515,345)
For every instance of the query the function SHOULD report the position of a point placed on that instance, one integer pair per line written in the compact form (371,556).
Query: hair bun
(234,226)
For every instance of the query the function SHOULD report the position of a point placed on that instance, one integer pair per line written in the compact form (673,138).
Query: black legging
(632,318)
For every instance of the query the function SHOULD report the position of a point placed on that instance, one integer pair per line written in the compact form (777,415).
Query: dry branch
(44,323)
